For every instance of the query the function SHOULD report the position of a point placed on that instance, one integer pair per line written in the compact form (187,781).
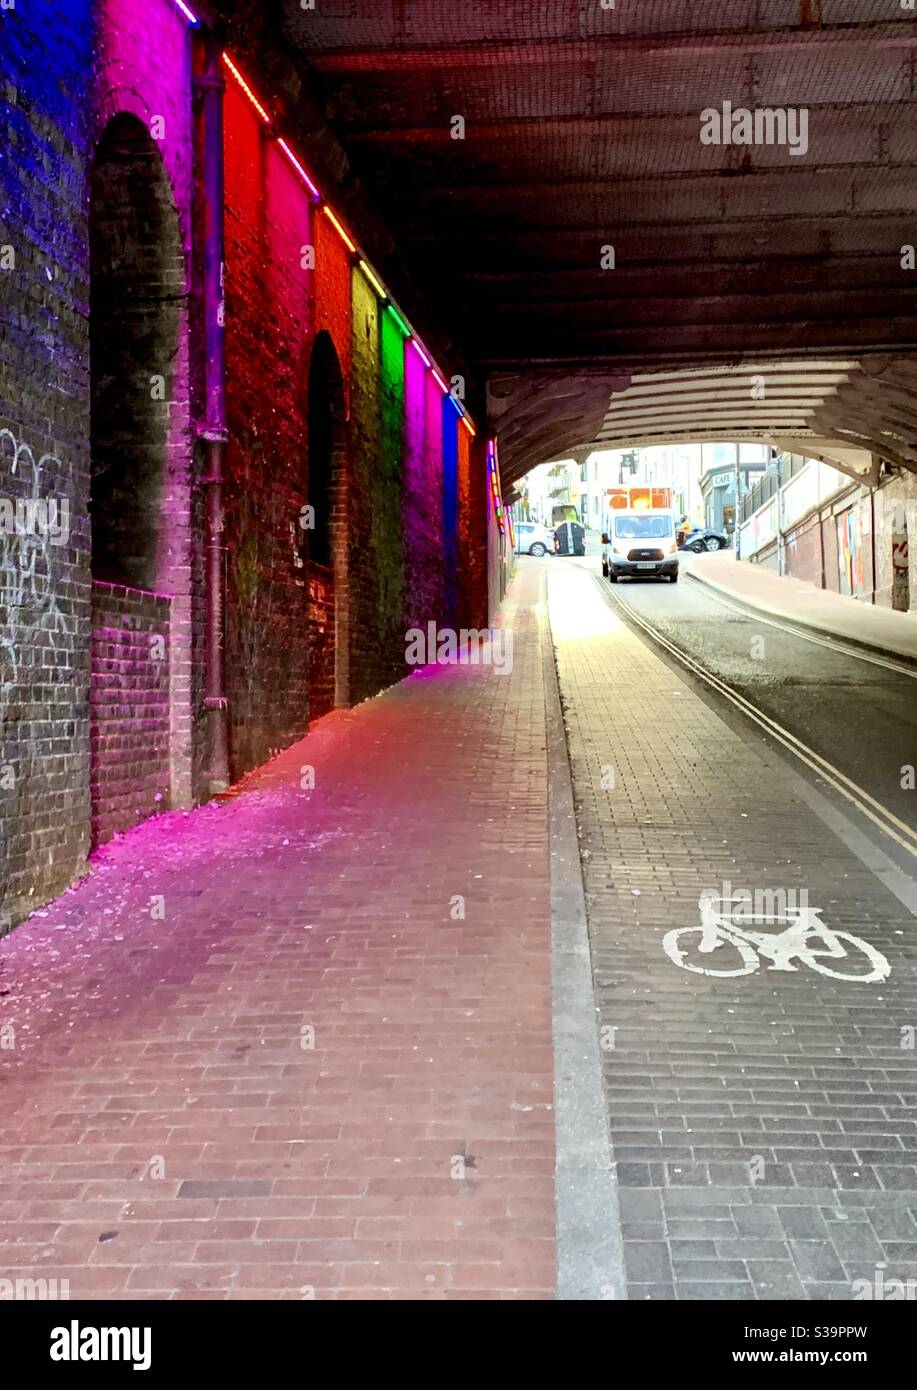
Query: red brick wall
(268,319)
(803,551)
(129,708)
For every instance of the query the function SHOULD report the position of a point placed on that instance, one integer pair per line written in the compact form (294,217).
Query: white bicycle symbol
(805,938)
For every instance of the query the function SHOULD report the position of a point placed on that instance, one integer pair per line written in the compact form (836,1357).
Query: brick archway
(328,553)
(137,282)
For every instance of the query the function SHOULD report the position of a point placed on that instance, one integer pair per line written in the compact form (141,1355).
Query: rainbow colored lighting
(377,284)
(495,482)
(299,169)
(339,229)
(351,245)
(246,88)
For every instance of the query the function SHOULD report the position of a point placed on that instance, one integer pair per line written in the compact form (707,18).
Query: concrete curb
(590,1250)
(801,624)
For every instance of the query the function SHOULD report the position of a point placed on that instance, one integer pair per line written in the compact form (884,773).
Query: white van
(640,542)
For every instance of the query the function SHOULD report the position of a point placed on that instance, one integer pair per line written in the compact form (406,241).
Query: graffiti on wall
(27,592)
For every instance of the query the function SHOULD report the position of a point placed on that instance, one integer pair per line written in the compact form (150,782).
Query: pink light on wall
(299,169)
(189,14)
(420,352)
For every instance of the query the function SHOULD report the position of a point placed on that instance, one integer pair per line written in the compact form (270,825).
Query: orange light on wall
(339,229)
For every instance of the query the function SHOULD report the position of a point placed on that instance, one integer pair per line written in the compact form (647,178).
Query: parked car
(533,539)
(638,543)
(701,538)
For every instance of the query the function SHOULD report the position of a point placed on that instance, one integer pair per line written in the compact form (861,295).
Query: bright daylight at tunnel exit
(458,644)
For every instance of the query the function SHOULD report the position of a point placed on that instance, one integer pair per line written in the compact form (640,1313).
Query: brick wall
(44,450)
(268,314)
(129,707)
(804,550)
(896,509)
(74,79)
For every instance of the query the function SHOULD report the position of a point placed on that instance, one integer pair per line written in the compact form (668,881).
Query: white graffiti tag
(27,590)
(804,938)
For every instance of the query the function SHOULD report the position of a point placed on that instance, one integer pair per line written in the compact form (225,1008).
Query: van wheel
(612,577)
(674,577)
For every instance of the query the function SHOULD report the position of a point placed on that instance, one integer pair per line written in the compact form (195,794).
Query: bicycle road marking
(797,941)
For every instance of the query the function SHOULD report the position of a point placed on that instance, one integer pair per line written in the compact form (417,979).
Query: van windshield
(634,528)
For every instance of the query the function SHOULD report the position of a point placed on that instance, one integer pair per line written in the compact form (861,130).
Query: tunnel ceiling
(582,132)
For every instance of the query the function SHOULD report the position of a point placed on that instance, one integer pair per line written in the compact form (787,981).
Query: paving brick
(767,1095)
(160,1090)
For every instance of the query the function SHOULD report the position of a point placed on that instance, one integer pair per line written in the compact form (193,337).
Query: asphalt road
(860,717)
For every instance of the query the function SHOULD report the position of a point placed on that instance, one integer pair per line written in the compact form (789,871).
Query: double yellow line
(880,815)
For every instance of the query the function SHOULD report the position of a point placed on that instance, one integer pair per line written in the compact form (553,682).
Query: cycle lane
(762,1123)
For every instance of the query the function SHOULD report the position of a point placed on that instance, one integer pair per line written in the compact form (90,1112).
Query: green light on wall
(390,308)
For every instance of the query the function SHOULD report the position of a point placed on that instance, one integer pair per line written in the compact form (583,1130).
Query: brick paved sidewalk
(764,1126)
(168,1130)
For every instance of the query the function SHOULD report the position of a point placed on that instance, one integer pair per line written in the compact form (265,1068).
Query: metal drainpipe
(210,85)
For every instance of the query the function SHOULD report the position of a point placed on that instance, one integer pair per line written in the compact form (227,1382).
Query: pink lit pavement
(798,601)
(171,1131)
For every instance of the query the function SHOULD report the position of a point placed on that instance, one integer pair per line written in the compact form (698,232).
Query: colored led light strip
(339,229)
(420,353)
(189,14)
(377,284)
(299,169)
(246,88)
(348,242)
(399,320)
